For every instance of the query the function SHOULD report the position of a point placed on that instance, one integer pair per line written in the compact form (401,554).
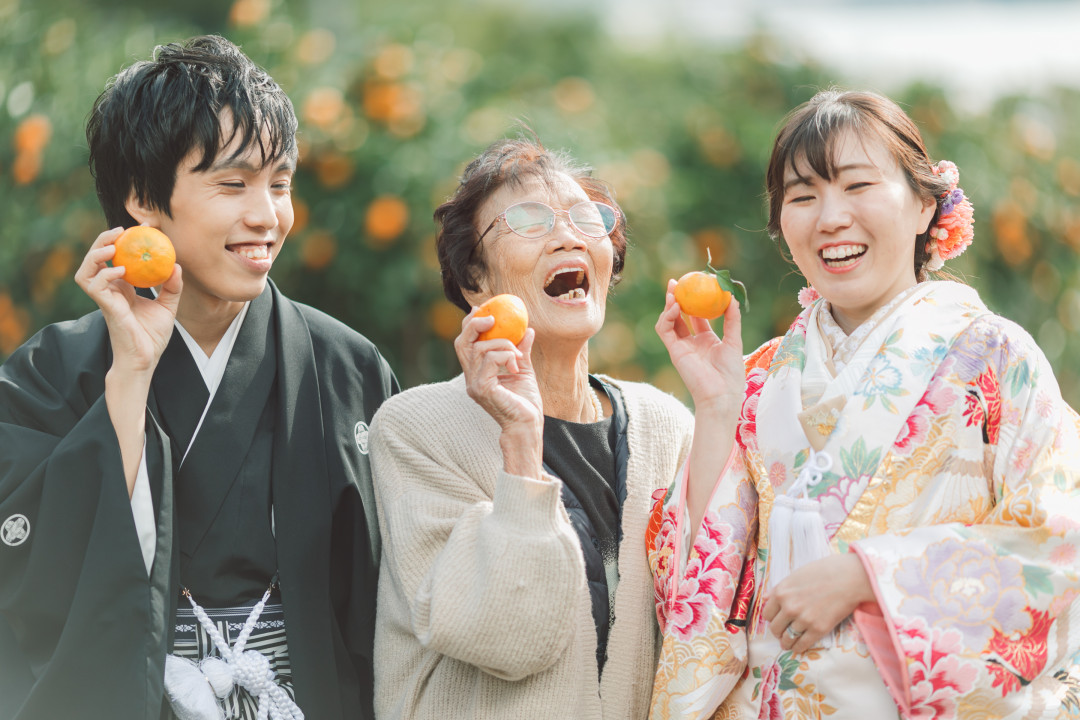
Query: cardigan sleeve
(491,577)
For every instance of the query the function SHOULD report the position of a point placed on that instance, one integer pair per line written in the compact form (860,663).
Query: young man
(206,440)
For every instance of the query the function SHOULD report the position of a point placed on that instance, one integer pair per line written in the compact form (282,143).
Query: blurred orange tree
(394,100)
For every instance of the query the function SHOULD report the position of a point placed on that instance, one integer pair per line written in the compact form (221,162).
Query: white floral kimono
(935,444)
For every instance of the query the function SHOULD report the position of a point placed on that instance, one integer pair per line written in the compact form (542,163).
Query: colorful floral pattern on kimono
(967,520)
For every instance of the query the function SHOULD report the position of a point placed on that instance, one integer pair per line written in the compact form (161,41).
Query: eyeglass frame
(555,212)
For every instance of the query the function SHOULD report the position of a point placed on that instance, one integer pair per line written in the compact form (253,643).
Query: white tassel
(808,539)
(780,522)
(797,534)
(190,694)
(809,542)
(218,674)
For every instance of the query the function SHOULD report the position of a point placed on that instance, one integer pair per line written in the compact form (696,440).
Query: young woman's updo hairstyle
(810,133)
(508,162)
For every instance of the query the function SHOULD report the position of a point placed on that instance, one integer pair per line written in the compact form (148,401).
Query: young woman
(881,515)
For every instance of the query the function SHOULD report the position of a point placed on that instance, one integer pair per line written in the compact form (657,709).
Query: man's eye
(237,185)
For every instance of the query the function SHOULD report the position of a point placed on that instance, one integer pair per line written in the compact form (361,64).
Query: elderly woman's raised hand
(500,378)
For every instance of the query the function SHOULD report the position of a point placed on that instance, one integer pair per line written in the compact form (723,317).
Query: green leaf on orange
(736,288)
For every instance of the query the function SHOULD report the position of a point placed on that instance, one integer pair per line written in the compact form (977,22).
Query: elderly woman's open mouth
(568,283)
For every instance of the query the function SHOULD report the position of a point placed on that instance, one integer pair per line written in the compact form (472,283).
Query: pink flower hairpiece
(953,231)
(808,295)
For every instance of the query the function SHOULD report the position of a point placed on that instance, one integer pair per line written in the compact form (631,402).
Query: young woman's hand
(712,370)
(710,367)
(815,599)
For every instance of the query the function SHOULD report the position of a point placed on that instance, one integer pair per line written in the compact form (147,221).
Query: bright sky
(977,49)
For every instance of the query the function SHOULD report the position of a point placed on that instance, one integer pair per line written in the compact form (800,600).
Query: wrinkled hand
(499,376)
(816,598)
(139,328)
(712,369)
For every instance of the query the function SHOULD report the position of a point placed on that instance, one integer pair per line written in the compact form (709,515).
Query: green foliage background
(394,100)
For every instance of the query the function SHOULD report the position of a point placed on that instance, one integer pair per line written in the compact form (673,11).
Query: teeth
(580,275)
(842,251)
(254,252)
(575,294)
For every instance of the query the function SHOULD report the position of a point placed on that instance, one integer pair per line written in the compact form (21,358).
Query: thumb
(733,325)
(169,295)
(525,348)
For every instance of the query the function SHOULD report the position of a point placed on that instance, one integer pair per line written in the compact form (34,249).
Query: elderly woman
(886,505)
(512,499)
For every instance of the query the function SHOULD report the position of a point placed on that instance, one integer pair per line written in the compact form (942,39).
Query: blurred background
(675,103)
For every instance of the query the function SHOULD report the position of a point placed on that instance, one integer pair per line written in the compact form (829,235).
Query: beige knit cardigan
(483,607)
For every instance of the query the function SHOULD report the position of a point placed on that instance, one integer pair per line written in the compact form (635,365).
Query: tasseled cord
(797,534)
(191,688)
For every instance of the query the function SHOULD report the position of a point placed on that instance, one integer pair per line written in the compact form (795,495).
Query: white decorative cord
(192,699)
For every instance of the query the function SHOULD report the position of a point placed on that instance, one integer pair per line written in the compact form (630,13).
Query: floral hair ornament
(953,231)
(808,295)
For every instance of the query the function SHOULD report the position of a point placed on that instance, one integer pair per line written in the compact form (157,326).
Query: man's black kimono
(83,629)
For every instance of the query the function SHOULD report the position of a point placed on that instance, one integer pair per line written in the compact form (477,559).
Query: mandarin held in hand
(511,318)
(147,255)
(708,294)
(700,295)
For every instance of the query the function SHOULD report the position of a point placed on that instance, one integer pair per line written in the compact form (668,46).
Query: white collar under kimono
(823,453)
(212,369)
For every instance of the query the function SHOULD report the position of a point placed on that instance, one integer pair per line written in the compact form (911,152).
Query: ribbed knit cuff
(530,505)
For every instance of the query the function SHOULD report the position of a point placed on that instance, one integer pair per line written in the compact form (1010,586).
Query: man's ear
(142,211)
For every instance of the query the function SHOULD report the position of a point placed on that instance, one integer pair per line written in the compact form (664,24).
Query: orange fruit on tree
(147,254)
(511,318)
(708,294)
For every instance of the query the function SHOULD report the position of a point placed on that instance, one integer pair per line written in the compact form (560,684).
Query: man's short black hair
(155,112)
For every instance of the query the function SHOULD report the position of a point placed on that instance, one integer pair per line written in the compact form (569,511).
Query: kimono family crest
(15,530)
(360,433)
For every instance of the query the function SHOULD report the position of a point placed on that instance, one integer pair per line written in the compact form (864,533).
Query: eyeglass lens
(535,219)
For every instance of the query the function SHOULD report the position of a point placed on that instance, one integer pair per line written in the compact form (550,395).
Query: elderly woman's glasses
(534,220)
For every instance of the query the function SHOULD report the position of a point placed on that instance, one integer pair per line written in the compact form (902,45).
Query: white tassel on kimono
(783,511)
(189,691)
(809,541)
(218,674)
(797,534)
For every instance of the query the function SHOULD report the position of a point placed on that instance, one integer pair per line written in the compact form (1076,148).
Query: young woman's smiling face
(853,235)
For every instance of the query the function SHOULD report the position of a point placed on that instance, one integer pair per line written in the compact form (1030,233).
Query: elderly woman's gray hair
(507,162)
